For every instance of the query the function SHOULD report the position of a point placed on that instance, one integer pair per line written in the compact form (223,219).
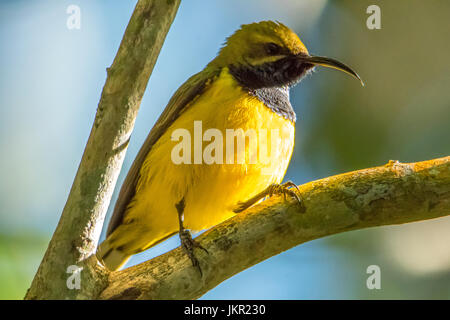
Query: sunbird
(246,87)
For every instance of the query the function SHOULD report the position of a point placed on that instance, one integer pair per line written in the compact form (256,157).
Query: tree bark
(80,225)
(392,194)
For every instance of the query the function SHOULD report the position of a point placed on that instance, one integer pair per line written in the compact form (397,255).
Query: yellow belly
(210,190)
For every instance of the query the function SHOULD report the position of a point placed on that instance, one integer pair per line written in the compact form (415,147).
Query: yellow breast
(210,187)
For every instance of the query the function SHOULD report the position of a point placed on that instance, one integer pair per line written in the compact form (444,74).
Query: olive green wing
(179,102)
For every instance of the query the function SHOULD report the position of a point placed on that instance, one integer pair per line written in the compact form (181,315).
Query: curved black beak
(330,63)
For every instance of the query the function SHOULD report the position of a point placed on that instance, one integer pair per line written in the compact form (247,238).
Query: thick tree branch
(392,194)
(79,228)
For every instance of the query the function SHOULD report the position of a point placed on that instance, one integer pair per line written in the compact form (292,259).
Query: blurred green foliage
(402,113)
(20,254)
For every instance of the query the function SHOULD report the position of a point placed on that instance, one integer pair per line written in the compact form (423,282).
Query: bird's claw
(274,189)
(188,244)
(285,190)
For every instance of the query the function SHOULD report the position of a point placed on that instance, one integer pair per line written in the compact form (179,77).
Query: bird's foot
(285,190)
(273,189)
(188,244)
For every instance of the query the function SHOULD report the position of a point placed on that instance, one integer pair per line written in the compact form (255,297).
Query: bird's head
(268,54)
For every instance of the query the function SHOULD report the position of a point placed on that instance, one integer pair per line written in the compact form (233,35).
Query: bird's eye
(272,48)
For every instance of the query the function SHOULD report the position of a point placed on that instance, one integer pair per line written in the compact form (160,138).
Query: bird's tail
(111,258)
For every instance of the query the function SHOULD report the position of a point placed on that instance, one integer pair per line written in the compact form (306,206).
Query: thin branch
(392,194)
(79,228)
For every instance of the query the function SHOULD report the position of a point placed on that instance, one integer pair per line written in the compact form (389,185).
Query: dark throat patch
(277,99)
(270,82)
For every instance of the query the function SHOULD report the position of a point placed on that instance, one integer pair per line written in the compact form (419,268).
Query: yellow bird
(175,184)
